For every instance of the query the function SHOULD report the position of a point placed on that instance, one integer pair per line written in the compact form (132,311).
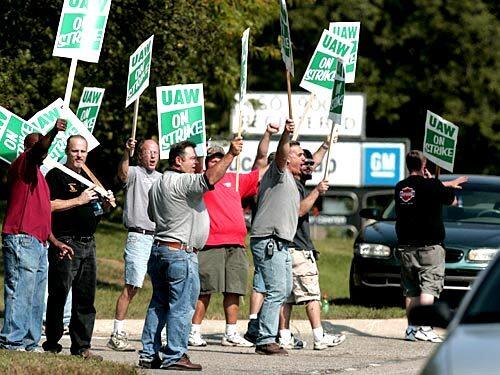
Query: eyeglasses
(309,162)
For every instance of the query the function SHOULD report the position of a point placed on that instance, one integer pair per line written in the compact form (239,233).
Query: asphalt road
(371,347)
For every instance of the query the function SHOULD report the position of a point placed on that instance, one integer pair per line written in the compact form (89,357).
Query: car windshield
(474,204)
(485,305)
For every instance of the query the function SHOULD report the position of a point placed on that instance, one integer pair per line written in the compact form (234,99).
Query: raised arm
(284,145)
(263,148)
(40,148)
(216,172)
(125,160)
(308,202)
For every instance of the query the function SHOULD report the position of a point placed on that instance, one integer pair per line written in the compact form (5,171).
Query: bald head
(148,154)
(31,139)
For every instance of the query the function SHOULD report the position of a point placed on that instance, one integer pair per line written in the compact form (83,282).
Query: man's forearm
(123,167)
(283,150)
(308,202)
(41,148)
(58,205)
(215,173)
(320,154)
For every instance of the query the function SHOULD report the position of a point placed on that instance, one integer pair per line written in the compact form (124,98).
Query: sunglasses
(309,162)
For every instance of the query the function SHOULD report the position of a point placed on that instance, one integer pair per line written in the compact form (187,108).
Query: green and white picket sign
(181,117)
(349,31)
(286,42)
(440,141)
(45,120)
(244,64)
(88,109)
(13,130)
(81,29)
(139,68)
(338,93)
(320,73)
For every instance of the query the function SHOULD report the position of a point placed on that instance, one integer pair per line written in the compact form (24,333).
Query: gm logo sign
(383,163)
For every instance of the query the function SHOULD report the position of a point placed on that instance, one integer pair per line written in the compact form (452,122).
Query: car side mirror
(436,315)
(370,213)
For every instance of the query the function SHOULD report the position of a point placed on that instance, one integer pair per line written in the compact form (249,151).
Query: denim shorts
(137,252)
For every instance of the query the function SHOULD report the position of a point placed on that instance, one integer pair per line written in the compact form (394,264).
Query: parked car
(472,343)
(472,240)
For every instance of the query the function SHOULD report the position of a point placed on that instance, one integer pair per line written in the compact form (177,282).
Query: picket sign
(336,106)
(286,52)
(243,92)
(440,141)
(349,31)
(88,108)
(13,130)
(139,70)
(181,117)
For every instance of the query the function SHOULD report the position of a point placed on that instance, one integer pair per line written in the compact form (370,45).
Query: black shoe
(86,354)
(150,364)
(52,348)
(249,337)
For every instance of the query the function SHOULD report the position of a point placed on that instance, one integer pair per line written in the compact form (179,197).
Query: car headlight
(481,255)
(373,250)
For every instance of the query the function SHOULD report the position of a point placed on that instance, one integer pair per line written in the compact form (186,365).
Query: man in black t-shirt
(76,211)
(419,226)
(305,289)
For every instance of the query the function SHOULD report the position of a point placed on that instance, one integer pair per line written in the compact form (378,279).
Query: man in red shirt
(26,230)
(223,262)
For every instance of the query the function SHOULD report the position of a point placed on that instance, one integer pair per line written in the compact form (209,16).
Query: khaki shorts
(422,270)
(223,270)
(305,277)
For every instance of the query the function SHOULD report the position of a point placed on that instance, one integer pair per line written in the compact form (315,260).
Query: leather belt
(143,231)
(176,245)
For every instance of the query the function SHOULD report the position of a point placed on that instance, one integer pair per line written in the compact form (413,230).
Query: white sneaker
(195,339)
(119,342)
(294,343)
(426,333)
(235,340)
(410,334)
(329,340)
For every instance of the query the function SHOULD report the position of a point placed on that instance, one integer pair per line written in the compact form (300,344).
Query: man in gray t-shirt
(138,180)
(273,229)
(182,225)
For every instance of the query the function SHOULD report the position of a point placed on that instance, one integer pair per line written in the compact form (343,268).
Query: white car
(472,345)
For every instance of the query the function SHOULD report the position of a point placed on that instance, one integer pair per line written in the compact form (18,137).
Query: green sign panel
(88,109)
(440,141)
(139,68)
(13,130)
(181,117)
(286,42)
(320,73)
(81,29)
(244,60)
(45,120)
(337,102)
(349,31)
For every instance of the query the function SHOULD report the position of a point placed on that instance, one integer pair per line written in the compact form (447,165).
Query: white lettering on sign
(180,119)
(383,165)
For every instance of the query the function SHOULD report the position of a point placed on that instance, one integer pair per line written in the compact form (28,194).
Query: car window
(339,204)
(472,206)
(485,305)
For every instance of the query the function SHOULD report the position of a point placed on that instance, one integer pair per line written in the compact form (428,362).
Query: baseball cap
(215,151)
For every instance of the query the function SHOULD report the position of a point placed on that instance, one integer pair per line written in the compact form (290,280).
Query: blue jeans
(25,265)
(276,273)
(176,286)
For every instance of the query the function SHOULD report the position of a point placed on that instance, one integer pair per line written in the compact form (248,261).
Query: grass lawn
(334,263)
(51,364)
